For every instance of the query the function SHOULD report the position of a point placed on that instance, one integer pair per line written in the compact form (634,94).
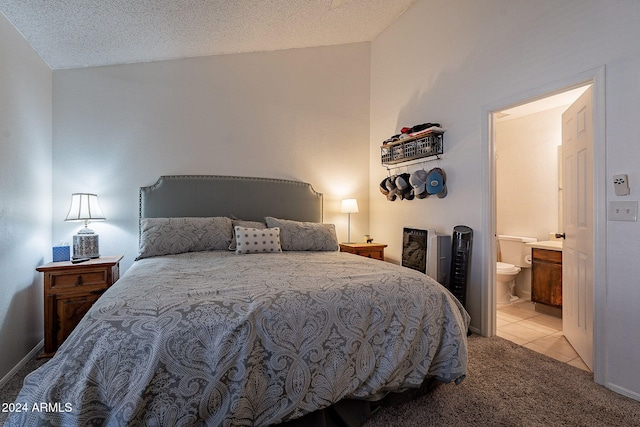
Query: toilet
(515,255)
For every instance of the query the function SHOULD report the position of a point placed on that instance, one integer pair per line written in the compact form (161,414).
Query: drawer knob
(79,281)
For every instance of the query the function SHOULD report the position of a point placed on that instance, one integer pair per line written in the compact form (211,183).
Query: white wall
(527,174)
(445,60)
(527,179)
(25,193)
(298,114)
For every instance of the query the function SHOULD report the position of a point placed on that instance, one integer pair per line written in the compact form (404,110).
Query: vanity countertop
(552,245)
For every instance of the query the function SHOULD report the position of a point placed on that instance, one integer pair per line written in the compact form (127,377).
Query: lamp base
(85,246)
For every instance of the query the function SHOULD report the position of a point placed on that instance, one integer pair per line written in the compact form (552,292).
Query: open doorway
(493,112)
(528,142)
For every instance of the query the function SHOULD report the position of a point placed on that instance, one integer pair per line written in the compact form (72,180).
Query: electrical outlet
(621,185)
(623,211)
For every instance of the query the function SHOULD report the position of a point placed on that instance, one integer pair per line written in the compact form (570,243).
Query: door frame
(596,77)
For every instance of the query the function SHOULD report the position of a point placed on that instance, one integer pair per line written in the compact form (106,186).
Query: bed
(284,329)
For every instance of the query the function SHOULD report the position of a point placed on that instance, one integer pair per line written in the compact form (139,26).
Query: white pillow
(254,240)
(246,224)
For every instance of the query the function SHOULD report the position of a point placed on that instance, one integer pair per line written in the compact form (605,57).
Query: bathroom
(528,188)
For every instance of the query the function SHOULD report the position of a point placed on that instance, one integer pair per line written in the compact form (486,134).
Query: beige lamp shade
(349,206)
(85,207)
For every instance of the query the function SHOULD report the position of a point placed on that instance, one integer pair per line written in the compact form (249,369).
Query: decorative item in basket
(412,145)
(414,131)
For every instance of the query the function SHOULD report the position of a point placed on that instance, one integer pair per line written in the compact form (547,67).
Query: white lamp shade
(349,206)
(84,207)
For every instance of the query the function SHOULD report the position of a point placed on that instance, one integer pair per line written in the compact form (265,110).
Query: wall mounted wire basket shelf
(426,145)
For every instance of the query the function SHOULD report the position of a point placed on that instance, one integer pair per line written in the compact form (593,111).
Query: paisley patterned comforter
(215,338)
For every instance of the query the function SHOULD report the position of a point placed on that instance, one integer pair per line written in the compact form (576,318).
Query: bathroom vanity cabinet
(546,277)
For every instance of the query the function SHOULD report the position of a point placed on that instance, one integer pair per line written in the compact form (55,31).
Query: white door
(578,226)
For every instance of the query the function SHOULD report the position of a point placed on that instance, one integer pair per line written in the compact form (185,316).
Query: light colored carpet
(507,385)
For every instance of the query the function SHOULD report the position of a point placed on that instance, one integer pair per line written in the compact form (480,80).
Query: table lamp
(85,207)
(349,206)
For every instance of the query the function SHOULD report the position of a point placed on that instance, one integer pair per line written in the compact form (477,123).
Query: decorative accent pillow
(166,236)
(305,236)
(247,224)
(255,240)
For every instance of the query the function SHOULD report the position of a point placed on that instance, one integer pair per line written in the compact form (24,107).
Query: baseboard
(33,353)
(623,391)
(547,309)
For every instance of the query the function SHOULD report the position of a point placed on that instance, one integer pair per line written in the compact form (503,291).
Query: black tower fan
(461,241)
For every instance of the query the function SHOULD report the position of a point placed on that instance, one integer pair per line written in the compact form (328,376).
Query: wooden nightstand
(69,291)
(369,250)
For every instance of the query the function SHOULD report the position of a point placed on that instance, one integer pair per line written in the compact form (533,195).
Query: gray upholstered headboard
(243,197)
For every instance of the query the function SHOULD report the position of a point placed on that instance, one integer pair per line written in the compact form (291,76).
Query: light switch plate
(623,211)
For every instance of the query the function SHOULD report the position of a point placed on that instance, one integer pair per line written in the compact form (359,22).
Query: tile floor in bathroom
(520,323)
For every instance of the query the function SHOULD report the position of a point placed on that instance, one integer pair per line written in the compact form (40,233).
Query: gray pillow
(305,236)
(167,236)
(247,224)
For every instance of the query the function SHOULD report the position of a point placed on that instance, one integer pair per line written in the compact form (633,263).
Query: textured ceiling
(85,33)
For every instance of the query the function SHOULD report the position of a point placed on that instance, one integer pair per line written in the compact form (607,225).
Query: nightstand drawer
(367,250)
(375,254)
(87,278)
